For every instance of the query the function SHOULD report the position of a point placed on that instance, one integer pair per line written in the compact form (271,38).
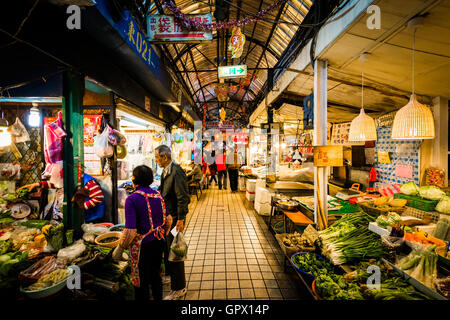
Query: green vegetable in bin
(55,236)
(409,188)
(69,236)
(5,246)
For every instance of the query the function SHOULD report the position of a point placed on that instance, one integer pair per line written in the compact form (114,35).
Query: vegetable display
(49,279)
(431,193)
(423,237)
(312,264)
(38,224)
(54,236)
(409,188)
(349,239)
(443,206)
(421,264)
(390,219)
(5,246)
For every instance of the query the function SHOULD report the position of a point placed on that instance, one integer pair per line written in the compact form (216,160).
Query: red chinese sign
(163,28)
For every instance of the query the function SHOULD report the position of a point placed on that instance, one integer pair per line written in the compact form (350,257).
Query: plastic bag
(73,251)
(178,249)
(57,173)
(115,138)
(102,147)
(18,132)
(94,229)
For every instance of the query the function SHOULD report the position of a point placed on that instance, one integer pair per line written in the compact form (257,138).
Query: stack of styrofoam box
(262,201)
(242,186)
(250,189)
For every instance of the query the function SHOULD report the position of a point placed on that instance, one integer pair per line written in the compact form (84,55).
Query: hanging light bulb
(34,118)
(414,120)
(363,126)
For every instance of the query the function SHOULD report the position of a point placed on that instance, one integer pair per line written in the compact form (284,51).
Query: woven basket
(379,211)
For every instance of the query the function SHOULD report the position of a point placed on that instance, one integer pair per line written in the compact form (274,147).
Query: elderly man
(174,190)
(195,174)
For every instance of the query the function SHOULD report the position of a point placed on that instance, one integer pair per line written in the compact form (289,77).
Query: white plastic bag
(102,147)
(18,132)
(73,251)
(94,229)
(178,249)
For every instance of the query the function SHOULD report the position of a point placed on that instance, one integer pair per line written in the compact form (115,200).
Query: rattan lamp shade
(413,121)
(362,128)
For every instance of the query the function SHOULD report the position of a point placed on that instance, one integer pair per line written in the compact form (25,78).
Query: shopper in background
(233,172)
(174,190)
(146,225)
(213,171)
(195,174)
(222,170)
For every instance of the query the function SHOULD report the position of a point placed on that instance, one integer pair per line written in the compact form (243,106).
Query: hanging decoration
(198,25)
(222,91)
(237,41)
(223,114)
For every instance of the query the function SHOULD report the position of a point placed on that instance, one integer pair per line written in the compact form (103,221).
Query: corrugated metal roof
(263,47)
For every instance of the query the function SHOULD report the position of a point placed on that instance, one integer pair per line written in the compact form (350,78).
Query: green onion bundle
(349,240)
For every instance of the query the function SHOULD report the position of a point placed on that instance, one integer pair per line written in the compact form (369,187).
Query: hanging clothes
(53,150)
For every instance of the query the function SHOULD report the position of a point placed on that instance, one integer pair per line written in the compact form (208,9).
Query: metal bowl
(43,293)
(287,205)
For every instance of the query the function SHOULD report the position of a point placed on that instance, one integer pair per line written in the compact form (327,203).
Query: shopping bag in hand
(178,249)
(102,147)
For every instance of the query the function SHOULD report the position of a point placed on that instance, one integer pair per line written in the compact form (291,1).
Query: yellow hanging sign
(383,157)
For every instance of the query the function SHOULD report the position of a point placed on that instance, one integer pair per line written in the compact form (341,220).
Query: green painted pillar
(73,148)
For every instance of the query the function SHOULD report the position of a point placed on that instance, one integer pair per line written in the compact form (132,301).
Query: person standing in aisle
(146,225)
(222,170)
(233,172)
(174,190)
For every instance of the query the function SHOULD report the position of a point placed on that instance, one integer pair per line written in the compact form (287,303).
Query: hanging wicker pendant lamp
(414,120)
(363,127)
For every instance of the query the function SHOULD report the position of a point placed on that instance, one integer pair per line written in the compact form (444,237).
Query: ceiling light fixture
(363,127)
(414,120)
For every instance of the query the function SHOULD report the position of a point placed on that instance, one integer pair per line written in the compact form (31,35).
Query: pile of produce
(88,255)
(49,280)
(296,242)
(393,286)
(334,287)
(390,219)
(54,235)
(10,265)
(349,239)
(312,264)
(430,193)
(423,237)
(421,264)
(41,268)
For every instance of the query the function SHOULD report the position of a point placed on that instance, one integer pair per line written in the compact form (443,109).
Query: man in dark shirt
(174,190)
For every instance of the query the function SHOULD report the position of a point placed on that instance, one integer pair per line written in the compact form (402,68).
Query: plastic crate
(418,202)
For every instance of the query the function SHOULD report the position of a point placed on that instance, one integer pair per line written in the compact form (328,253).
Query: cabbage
(409,188)
(431,193)
(444,205)
(383,221)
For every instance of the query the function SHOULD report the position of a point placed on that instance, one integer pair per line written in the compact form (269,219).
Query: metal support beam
(114,192)
(320,139)
(73,148)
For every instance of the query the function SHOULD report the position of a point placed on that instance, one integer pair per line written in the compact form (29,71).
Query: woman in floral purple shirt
(145,227)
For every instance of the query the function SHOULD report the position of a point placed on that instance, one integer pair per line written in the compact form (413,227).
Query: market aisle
(231,253)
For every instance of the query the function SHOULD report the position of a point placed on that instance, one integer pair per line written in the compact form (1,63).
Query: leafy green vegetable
(7,220)
(312,264)
(55,236)
(444,205)
(431,193)
(38,224)
(409,188)
(5,246)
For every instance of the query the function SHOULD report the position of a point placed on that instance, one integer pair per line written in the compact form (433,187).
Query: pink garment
(53,145)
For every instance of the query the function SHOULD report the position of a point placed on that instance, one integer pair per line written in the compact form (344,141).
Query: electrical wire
(21,25)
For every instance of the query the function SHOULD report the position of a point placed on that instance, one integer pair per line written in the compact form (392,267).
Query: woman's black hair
(143,176)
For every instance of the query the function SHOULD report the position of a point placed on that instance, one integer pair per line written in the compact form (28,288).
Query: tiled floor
(231,254)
